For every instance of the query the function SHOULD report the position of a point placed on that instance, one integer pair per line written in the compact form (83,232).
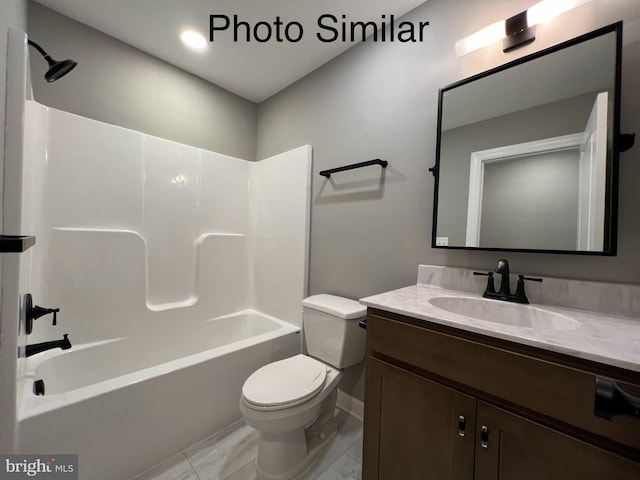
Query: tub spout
(64,344)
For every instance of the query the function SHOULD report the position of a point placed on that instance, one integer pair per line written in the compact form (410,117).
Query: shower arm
(41,50)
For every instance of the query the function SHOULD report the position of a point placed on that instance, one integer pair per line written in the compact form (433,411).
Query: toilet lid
(291,380)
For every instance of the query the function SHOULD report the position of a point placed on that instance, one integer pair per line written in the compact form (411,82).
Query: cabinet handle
(462,424)
(611,400)
(484,437)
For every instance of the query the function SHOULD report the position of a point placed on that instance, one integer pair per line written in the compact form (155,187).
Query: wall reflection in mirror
(527,153)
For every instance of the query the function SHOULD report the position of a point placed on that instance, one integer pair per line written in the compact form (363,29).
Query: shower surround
(177,271)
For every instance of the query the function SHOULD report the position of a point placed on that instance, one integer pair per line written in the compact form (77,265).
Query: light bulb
(547,9)
(193,39)
(482,38)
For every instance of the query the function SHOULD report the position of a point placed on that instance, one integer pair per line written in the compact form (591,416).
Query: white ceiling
(252,70)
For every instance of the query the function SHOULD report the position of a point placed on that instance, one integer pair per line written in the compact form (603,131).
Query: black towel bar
(16,243)
(377,161)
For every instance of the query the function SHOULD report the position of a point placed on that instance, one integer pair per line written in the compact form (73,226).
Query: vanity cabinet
(442,403)
(411,427)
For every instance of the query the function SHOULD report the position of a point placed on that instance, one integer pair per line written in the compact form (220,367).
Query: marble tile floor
(230,453)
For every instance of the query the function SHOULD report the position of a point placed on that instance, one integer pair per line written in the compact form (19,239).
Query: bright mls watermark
(329,28)
(51,467)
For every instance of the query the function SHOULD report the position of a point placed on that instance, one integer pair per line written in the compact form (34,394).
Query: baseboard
(350,405)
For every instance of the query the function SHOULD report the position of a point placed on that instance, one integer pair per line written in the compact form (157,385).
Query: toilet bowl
(283,422)
(292,402)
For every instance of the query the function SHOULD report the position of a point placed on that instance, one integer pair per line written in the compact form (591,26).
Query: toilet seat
(284,383)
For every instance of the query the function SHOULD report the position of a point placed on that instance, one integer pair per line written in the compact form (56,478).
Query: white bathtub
(127,404)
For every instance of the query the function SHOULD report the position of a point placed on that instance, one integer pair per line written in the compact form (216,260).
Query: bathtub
(126,404)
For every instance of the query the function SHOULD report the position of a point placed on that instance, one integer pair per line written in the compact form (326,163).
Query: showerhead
(57,69)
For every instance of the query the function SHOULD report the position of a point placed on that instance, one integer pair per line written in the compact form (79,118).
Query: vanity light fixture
(518,30)
(193,39)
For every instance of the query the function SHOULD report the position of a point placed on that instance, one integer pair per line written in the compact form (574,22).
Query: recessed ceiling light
(193,39)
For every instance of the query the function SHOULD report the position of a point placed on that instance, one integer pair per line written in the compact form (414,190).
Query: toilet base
(296,451)
(283,455)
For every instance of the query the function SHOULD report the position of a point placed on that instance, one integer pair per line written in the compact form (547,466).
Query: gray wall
(118,84)
(531,202)
(380,100)
(456,146)
(13,13)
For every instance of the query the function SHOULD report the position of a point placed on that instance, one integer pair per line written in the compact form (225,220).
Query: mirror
(527,153)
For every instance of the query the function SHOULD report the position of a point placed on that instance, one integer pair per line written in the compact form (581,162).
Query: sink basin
(512,314)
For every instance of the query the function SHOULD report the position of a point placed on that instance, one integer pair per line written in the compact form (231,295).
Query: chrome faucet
(63,343)
(505,290)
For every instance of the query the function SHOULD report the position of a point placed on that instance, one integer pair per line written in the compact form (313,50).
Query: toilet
(291,402)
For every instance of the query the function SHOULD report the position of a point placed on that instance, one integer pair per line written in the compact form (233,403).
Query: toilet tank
(331,329)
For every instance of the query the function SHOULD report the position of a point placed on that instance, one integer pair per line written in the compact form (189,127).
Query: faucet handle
(37,312)
(520,295)
(55,315)
(33,312)
(531,279)
(491,288)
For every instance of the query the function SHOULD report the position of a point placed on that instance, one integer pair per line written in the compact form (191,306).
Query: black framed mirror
(527,153)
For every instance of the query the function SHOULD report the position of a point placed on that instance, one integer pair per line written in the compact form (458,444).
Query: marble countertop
(607,338)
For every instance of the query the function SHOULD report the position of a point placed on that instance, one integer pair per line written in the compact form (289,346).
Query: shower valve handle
(33,312)
(40,311)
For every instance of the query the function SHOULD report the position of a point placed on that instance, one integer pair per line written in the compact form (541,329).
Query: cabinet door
(518,449)
(411,427)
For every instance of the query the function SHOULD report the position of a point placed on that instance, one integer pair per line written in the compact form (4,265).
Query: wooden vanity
(446,403)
